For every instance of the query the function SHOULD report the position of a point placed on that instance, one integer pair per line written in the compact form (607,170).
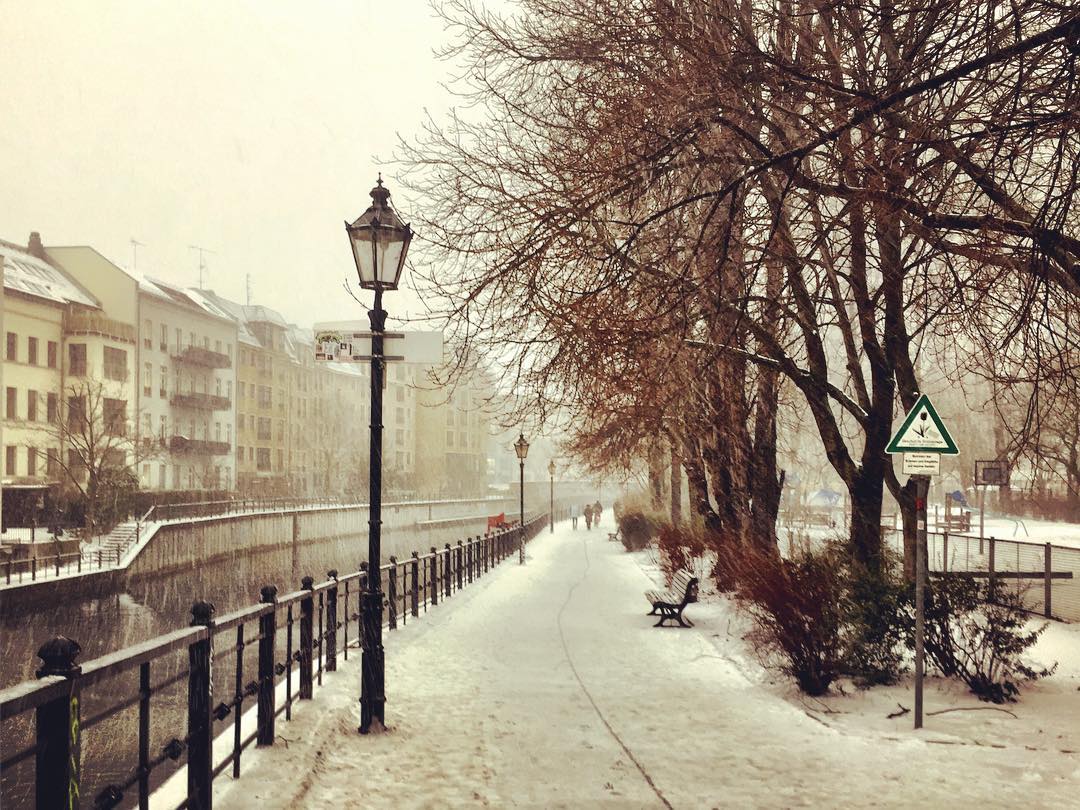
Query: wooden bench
(672,603)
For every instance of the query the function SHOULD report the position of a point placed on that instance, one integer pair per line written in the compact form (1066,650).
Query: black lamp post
(521,447)
(379,242)
(551,510)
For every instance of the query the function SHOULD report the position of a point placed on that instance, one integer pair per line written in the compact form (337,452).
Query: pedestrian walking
(574,509)
(596,510)
(588,516)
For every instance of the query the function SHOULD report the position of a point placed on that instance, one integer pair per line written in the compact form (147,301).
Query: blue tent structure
(825,499)
(958,497)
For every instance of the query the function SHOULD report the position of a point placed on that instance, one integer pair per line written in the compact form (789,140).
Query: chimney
(35,248)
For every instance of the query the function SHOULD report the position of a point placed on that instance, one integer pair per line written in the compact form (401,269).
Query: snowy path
(545,686)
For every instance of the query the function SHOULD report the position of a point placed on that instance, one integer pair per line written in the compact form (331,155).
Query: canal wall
(291,543)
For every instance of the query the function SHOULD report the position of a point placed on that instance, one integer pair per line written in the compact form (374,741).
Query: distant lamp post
(551,510)
(521,447)
(379,242)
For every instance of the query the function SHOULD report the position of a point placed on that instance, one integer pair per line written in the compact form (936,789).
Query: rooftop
(31,275)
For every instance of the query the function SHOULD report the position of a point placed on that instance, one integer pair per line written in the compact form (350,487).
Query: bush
(874,617)
(977,632)
(797,610)
(636,529)
(681,549)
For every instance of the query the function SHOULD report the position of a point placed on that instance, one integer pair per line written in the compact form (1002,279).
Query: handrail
(316,620)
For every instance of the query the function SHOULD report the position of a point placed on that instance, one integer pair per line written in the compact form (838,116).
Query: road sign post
(923,439)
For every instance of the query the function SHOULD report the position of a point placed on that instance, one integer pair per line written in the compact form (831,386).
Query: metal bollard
(200,724)
(267,633)
(58,759)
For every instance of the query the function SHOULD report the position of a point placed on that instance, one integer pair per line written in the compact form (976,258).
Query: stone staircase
(119,540)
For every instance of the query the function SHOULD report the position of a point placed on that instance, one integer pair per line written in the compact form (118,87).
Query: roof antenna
(202,260)
(135,245)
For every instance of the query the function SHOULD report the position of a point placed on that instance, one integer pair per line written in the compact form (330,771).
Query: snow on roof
(26,273)
(257,313)
(236,312)
(189,298)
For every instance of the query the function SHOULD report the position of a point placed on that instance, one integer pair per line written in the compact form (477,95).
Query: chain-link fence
(1046,576)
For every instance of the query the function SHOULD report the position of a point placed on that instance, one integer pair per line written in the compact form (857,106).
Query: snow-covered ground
(546,686)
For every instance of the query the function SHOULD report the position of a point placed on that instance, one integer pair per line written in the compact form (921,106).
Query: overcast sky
(252,129)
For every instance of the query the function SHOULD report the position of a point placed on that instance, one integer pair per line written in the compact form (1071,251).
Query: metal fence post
(434,576)
(991,579)
(391,594)
(267,633)
(448,572)
(329,647)
(200,758)
(58,761)
(416,584)
(458,563)
(1046,580)
(307,619)
(469,558)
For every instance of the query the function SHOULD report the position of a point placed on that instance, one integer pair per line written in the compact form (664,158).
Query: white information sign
(922,463)
(350,342)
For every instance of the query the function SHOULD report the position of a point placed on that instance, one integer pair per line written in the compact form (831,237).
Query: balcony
(198,356)
(198,447)
(93,323)
(203,402)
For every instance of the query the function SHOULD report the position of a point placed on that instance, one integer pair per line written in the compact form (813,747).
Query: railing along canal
(286,642)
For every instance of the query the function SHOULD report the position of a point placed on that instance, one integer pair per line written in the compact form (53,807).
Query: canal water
(149,608)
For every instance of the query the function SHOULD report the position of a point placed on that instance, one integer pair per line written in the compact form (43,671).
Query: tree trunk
(676,487)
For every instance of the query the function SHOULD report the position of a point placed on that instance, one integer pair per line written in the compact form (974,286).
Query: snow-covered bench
(671,603)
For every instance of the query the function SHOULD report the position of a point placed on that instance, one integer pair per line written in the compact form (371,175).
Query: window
(12,404)
(12,347)
(161,467)
(251,421)
(263,463)
(77,359)
(179,346)
(51,463)
(217,431)
(400,436)
(265,428)
(9,460)
(115,364)
(191,339)
(400,415)
(217,346)
(148,378)
(163,382)
(239,456)
(148,334)
(251,454)
(281,430)
(148,428)
(76,412)
(266,396)
(164,346)
(206,342)
(280,460)
(176,481)
(75,465)
(228,351)
(51,408)
(449,438)
(163,427)
(31,351)
(400,393)
(228,433)
(52,353)
(217,386)
(31,405)
(228,389)
(115,416)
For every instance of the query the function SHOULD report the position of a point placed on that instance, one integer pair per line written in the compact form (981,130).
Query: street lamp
(379,242)
(551,510)
(521,447)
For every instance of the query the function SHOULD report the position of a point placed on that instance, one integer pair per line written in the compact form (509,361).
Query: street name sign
(350,342)
(922,431)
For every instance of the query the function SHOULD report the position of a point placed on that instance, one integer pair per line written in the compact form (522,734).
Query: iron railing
(278,648)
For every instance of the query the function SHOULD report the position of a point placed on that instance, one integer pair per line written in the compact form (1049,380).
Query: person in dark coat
(596,510)
(588,516)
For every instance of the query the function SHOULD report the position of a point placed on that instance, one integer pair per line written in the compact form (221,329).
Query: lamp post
(379,242)
(551,510)
(521,447)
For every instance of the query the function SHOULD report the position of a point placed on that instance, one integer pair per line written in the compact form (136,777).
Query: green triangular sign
(922,432)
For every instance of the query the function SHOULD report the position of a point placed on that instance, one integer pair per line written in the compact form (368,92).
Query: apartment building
(453,436)
(187,374)
(63,354)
